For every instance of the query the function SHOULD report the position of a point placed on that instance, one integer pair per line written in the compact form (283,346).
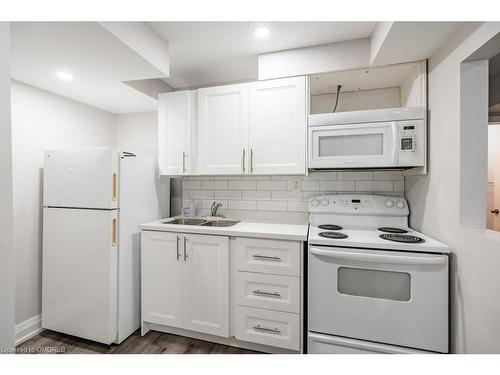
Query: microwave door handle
(395,143)
(393,259)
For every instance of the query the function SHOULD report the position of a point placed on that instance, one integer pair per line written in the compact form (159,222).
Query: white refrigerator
(94,200)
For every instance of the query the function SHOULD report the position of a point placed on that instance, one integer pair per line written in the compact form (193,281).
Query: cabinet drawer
(268,327)
(274,292)
(268,256)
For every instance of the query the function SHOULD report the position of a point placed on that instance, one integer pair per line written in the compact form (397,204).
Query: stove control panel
(359,204)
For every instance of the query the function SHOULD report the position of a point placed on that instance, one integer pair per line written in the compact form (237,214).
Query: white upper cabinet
(277,126)
(248,128)
(176,118)
(222,129)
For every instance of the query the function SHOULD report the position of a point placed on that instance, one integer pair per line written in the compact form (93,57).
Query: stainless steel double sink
(202,222)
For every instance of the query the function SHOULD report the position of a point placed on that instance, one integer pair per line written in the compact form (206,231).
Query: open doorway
(493,212)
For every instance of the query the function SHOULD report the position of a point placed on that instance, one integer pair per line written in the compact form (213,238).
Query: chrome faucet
(214,208)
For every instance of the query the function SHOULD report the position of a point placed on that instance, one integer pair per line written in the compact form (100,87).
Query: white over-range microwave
(381,138)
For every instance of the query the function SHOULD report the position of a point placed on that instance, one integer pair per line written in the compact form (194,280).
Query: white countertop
(278,231)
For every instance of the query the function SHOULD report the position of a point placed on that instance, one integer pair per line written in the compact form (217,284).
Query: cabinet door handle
(251,160)
(258,327)
(185,251)
(266,293)
(178,252)
(267,257)
(243,161)
(183,162)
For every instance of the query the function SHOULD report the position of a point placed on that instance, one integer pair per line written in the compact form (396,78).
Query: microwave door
(353,145)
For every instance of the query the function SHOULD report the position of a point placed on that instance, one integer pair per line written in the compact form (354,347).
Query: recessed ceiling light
(262,32)
(65,76)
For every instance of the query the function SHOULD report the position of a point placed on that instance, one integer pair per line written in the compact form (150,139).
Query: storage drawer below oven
(327,344)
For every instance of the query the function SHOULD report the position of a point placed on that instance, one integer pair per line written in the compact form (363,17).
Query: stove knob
(389,203)
(315,202)
(400,204)
(325,202)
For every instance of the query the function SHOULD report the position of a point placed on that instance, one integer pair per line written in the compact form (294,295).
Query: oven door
(353,145)
(392,297)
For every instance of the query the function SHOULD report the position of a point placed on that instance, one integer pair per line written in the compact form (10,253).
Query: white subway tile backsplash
(271,206)
(214,185)
(388,175)
(283,198)
(295,195)
(374,186)
(242,185)
(191,184)
(332,186)
(399,186)
(356,176)
(272,185)
(308,185)
(242,205)
(256,195)
(227,194)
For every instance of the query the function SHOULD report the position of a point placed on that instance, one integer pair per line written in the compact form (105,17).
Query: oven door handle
(393,259)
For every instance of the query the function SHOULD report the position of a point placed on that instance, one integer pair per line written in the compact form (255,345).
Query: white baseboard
(28,329)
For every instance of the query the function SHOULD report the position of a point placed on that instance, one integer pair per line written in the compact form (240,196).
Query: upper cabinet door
(278,126)
(222,129)
(175,116)
(81,178)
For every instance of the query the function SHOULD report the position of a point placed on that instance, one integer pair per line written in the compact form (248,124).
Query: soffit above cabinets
(361,79)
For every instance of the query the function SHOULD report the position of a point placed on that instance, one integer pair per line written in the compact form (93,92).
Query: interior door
(354,145)
(222,129)
(175,111)
(79,278)
(82,178)
(206,284)
(162,282)
(278,126)
(383,296)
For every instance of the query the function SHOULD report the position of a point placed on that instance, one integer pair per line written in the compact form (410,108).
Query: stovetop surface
(369,238)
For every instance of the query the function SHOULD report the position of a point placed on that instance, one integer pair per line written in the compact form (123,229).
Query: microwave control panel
(408,136)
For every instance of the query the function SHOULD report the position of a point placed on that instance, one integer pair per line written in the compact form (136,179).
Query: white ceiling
(205,53)
(97,59)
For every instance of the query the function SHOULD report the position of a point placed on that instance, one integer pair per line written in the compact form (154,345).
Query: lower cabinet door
(206,284)
(268,327)
(161,274)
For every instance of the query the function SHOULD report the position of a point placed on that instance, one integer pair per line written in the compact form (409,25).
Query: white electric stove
(374,284)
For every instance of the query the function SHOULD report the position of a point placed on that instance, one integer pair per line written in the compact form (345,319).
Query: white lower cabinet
(185,281)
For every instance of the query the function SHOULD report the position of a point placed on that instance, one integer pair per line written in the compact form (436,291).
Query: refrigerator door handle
(114,187)
(113,239)
(185,250)
(178,252)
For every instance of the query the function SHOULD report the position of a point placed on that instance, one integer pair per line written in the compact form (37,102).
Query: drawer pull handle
(258,327)
(265,293)
(267,257)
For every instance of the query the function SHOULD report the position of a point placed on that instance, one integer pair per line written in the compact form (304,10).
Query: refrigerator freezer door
(82,178)
(79,278)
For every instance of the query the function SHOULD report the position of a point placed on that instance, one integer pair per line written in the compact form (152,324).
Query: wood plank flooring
(49,342)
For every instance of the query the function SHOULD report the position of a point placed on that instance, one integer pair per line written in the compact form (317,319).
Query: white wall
(40,121)
(6,215)
(435,202)
(352,54)
(138,133)
(357,100)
